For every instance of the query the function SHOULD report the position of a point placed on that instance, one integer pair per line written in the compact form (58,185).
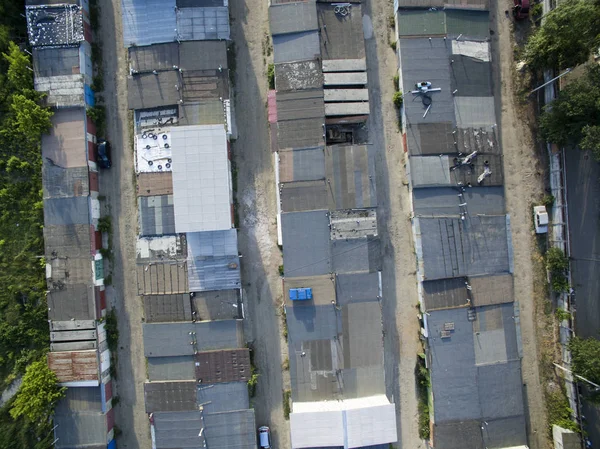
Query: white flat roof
(201,178)
(349,423)
(153,151)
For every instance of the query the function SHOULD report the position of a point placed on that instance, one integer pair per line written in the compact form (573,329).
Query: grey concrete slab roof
(65,144)
(73,302)
(80,429)
(162,278)
(192,55)
(471,77)
(307,322)
(54,25)
(362,335)
(72,241)
(304,196)
(350,174)
(293,17)
(427,60)
(67,211)
(341,37)
(344,65)
(55,61)
(356,287)
(60,182)
(194,24)
(296,47)
(80,399)
(323,290)
(298,75)
(301,133)
(347,109)
(474,112)
(356,255)
(234,429)
(452,247)
(213,261)
(203,112)
(223,397)
(431,138)
(344,79)
(304,104)
(63,272)
(170,396)
(62,91)
(171,368)
(506,432)
(167,308)
(178,429)
(445,294)
(306,243)
(217,305)
(139,18)
(174,339)
(307,164)
(444,201)
(347,95)
(148,90)
(157,216)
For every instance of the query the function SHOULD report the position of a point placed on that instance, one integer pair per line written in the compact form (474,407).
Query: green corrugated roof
(473,24)
(425,22)
(421,23)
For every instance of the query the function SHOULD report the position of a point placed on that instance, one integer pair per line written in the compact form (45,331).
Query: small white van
(264,437)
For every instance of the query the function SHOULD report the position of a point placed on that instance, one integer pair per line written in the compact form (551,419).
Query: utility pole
(577,376)
(551,81)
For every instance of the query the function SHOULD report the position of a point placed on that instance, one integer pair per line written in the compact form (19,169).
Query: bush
(271,76)
(280,270)
(423,384)
(253,381)
(98,82)
(396,80)
(287,395)
(398,99)
(393,45)
(556,261)
(112,331)
(105,224)
(548,200)
(98,116)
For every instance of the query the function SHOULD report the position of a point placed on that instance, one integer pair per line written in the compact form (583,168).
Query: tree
(573,118)
(30,118)
(586,358)
(38,394)
(19,75)
(567,37)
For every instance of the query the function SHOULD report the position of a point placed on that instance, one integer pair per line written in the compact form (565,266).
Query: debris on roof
(54,26)
(229,365)
(74,366)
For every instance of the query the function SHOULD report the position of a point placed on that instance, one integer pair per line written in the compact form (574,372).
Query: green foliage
(271,76)
(393,45)
(562,315)
(556,261)
(559,412)
(98,82)
(280,270)
(112,331)
(396,81)
(18,75)
(98,116)
(586,357)
(567,37)
(94,15)
(30,118)
(253,381)
(287,395)
(398,99)
(391,21)
(105,224)
(38,393)
(423,384)
(548,200)
(574,117)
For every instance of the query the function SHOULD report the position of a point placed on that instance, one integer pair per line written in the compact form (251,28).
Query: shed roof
(462,4)
(202,112)
(452,247)
(178,429)
(194,24)
(232,429)
(228,365)
(356,287)
(350,173)
(302,104)
(54,25)
(217,305)
(67,211)
(73,241)
(356,255)
(80,429)
(307,164)
(490,290)
(304,196)
(223,397)
(170,396)
(201,179)
(74,366)
(82,399)
(140,17)
(341,37)
(75,301)
(160,278)
(59,182)
(298,75)
(171,368)
(157,215)
(65,144)
(300,119)
(167,308)
(444,201)
(433,171)
(296,47)
(155,184)
(192,55)
(445,293)
(63,91)
(55,61)
(174,339)
(293,17)
(147,90)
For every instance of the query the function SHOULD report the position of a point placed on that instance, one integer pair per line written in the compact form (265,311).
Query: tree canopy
(585,360)
(567,37)
(574,117)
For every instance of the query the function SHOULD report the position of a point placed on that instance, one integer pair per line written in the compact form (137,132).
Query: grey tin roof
(171,368)
(55,61)
(60,182)
(453,247)
(356,287)
(300,119)
(140,18)
(298,75)
(202,23)
(150,91)
(293,17)
(80,429)
(178,429)
(217,305)
(71,241)
(174,339)
(156,215)
(54,25)
(235,429)
(356,255)
(67,211)
(444,201)
(471,77)
(80,399)
(296,47)
(445,293)
(302,104)
(341,37)
(306,164)
(73,302)
(303,196)
(213,261)
(306,243)
(170,396)
(167,308)
(160,278)
(300,133)
(223,397)
(204,112)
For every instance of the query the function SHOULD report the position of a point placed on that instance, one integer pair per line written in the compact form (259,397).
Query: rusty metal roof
(74,366)
(229,365)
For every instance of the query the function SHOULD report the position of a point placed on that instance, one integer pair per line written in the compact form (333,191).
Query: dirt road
(257,217)
(524,182)
(400,324)
(117,186)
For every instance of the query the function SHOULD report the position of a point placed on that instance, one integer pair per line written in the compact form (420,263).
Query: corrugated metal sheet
(341,38)
(445,294)
(74,366)
(159,278)
(491,290)
(223,366)
(203,112)
(170,396)
(351,176)
(347,95)
(301,165)
(171,368)
(150,91)
(293,17)
(157,215)
(347,109)
(203,23)
(345,79)
(167,308)
(235,429)
(55,61)
(147,22)
(80,429)
(296,47)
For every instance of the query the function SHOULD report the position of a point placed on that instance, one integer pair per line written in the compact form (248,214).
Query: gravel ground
(117,186)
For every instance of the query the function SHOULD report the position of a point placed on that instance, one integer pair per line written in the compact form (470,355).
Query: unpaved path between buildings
(257,217)
(524,181)
(117,185)
(400,323)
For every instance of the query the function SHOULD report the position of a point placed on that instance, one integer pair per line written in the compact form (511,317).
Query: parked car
(103,154)
(521,9)
(540,219)
(264,437)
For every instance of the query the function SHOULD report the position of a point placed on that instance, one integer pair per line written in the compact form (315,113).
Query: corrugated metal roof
(445,293)
(298,76)
(217,305)
(296,47)
(74,366)
(224,397)
(167,308)
(171,368)
(62,91)
(356,255)
(201,179)
(154,57)
(178,429)
(293,17)
(55,61)
(54,25)
(170,396)
(148,90)
(159,249)
(490,290)
(65,144)
(434,171)
(447,4)
(304,196)
(301,133)
(160,278)
(436,202)
(140,18)
(300,104)
(344,65)
(341,37)
(200,3)
(204,112)
(474,112)
(156,214)
(213,261)
(83,399)
(235,429)
(350,173)
(195,55)
(67,211)
(231,365)
(202,23)
(306,164)
(174,339)
(80,429)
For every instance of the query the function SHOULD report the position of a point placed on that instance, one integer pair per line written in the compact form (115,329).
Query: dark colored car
(103,156)
(521,9)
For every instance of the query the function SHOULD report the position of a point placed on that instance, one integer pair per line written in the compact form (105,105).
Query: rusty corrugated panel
(74,366)
(229,365)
